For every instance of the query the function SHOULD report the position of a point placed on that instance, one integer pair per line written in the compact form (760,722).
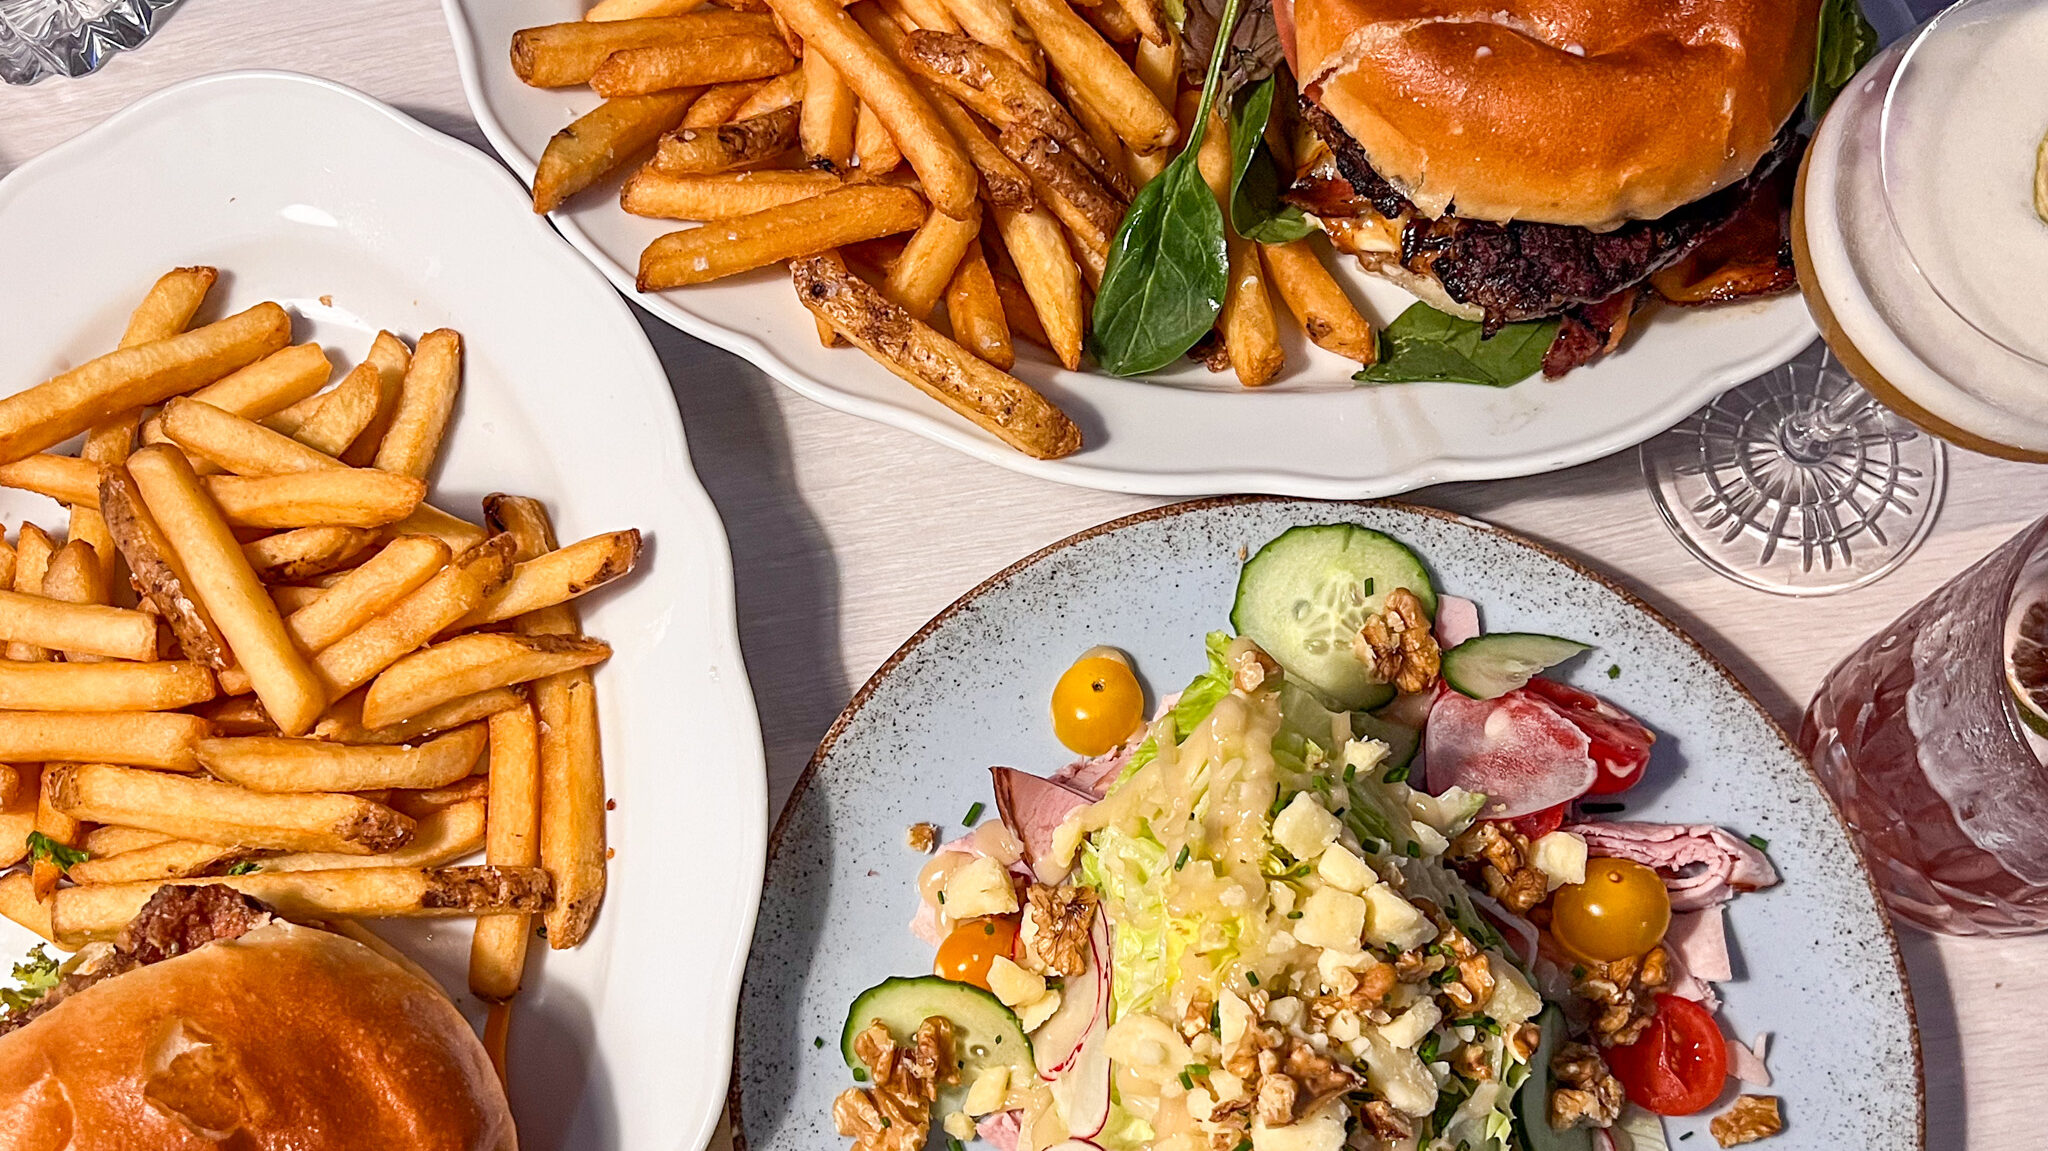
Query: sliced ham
(1702,865)
(1700,940)
(1746,1062)
(1033,808)
(1001,1129)
(1094,776)
(1457,620)
(1517,750)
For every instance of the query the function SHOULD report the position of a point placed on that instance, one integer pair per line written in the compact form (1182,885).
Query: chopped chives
(818,1042)
(1414,849)
(1396,775)
(1186,1083)
(1368,585)
(1759,842)
(1613,671)
(1181,860)
(1252,977)
(1294,915)
(973,814)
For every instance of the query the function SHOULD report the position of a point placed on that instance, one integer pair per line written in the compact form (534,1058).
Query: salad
(1354,887)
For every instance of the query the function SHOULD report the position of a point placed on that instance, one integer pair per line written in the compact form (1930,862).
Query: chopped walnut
(1752,1117)
(1319,1076)
(1296,1082)
(1497,857)
(1195,1019)
(1389,1125)
(1587,1094)
(1055,932)
(1254,1052)
(1398,645)
(1625,992)
(1367,989)
(894,1113)
(1251,669)
(1474,984)
(922,837)
(1524,1040)
(1471,1062)
(1277,1094)
(1417,964)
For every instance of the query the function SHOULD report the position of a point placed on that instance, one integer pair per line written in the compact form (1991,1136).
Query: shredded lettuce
(1193,706)
(34,977)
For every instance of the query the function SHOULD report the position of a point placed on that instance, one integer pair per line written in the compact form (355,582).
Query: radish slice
(1069,1047)
(1457,620)
(1517,751)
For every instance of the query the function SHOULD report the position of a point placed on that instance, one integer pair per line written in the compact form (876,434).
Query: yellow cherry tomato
(1097,704)
(966,954)
(1621,911)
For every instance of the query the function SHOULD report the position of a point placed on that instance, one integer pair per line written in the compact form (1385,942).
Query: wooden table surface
(847,535)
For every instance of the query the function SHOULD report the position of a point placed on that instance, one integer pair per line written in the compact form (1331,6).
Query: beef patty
(1522,270)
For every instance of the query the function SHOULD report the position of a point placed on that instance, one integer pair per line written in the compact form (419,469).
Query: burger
(1513,160)
(211,1023)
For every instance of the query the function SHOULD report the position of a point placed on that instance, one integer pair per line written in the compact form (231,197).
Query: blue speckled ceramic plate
(1816,963)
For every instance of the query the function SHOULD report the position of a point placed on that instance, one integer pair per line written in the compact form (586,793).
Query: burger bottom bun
(285,1038)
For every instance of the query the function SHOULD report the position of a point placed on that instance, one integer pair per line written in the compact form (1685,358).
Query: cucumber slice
(988,1032)
(1532,1099)
(1490,666)
(1402,741)
(1303,597)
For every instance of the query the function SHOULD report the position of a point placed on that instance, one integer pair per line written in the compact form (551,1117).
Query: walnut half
(1055,932)
(1587,1094)
(894,1113)
(1398,645)
(1752,1117)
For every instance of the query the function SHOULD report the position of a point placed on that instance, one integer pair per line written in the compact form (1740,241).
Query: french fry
(948,178)
(389,355)
(237,715)
(1099,130)
(343,722)
(999,403)
(1098,74)
(403,565)
(844,216)
(83,914)
(18,902)
(66,479)
(1050,277)
(920,274)
(604,140)
(689,151)
(284,421)
(1318,302)
(1003,183)
(559,576)
(170,859)
(875,153)
(638,9)
(994,23)
(1112,21)
(412,620)
(1158,64)
(120,840)
(421,804)
(169,305)
(272,383)
(440,837)
(333,497)
(720,196)
(120,633)
(1150,19)
(275,764)
(212,812)
(17,819)
(975,310)
(75,575)
(58,829)
(1251,331)
(497,953)
(719,102)
(425,401)
(10,784)
(112,686)
(561,55)
(302,553)
(1091,211)
(7,564)
(31,563)
(912,15)
(226,585)
(158,739)
(238,445)
(459,534)
(57,409)
(691,64)
(782,92)
(344,413)
(158,572)
(468,664)
(826,119)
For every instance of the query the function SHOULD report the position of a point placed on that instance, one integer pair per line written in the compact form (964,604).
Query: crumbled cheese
(990,1089)
(1399,1077)
(979,887)
(1014,985)
(1334,960)
(1226,1087)
(1333,918)
(959,1126)
(1561,857)
(1342,869)
(1034,1014)
(1305,828)
(1287,1011)
(1280,943)
(1201,1105)
(1429,838)
(1513,1000)
(1233,1018)
(1394,922)
(1321,1131)
(1409,1027)
(1282,897)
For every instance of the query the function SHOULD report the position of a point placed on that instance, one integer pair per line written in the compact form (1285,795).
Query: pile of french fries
(1004,137)
(261,659)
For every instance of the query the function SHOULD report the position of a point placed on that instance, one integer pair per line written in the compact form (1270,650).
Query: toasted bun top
(285,1038)
(1586,112)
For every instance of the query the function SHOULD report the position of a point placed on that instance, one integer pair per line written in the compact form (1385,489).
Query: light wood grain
(848,535)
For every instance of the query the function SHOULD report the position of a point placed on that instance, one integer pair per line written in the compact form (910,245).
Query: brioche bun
(285,1038)
(1582,112)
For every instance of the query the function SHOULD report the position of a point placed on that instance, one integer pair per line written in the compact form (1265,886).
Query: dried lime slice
(2026,667)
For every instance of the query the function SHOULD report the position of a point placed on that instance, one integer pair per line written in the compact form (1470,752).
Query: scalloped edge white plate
(356,216)
(1311,434)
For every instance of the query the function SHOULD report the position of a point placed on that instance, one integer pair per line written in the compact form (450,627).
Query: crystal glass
(1921,737)
(40,38)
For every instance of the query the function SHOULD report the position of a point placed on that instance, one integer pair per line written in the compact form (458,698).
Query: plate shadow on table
(566,1100)
(786,580)
(1941,1045)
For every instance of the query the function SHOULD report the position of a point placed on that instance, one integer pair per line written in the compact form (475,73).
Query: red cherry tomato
(1620,745)
(1538,824)
(1679,1065)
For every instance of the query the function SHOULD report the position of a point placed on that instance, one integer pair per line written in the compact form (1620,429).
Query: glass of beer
(1931,738)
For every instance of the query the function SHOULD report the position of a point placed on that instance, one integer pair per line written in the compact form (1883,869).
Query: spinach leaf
(1425,344)
(1256,210)
(1169,266)
(1845,44)
(42,847)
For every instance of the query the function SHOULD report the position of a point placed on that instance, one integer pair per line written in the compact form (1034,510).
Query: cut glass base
(41,38)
